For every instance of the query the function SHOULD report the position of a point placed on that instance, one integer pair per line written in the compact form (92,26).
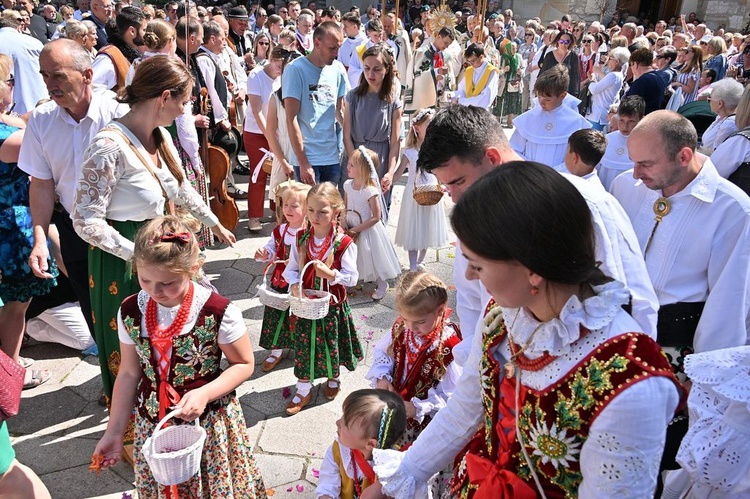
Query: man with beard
(113,61)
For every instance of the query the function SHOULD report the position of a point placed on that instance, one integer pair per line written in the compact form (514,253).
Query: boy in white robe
(542,133)
(479,85)
(616,158)
(348,51)
(585,150)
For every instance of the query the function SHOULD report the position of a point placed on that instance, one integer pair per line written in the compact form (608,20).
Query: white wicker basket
(312,303)
(174,454)
(269,297)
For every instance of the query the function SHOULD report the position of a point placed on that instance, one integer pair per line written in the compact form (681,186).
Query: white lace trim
(557,336)
(726,371)
(396,482)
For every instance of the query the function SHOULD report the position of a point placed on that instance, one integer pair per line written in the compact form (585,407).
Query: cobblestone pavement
(61,421)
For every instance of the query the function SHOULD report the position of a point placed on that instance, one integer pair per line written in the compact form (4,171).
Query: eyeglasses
(529,35)
(263,43)
(563,42)
(283,12)
(588,42)
(11,80)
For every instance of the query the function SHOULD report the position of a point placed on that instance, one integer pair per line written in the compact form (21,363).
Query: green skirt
(321,346)
(276,331)
(111,280)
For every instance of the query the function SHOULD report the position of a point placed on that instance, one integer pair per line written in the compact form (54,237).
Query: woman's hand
(288,169)
(411,410)
(261,255)
(109,446)
(223,235)
(374,491)
(386,181)
(192,405)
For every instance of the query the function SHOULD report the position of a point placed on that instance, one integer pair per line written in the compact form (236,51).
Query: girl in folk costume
(561,396)
(376,257)
(172,337)
(321,346)
(419,227)
(276,331)
(372,419)
(416,359)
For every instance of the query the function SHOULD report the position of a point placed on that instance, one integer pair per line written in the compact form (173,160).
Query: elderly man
(57,135)
(101,12)
(464,143)
(239,39)
(313,90)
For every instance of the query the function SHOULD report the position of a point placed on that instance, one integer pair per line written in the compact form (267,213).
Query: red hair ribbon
(180,237)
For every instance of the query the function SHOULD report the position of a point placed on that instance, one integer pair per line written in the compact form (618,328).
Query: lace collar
(557,335)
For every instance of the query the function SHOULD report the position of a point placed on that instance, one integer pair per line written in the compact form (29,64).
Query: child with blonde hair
(172,337)
(276,331)
(416,359)
(376,258)
(372,419)
(419,227)
(321,346)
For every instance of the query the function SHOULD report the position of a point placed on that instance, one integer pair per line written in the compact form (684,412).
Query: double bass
(216,162)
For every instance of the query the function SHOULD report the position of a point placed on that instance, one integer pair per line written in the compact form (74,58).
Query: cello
(216,161)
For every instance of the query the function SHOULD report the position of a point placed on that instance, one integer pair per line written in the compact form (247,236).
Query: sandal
(25,362)
(38,377)
(293,407)
(271,362)
(330,390)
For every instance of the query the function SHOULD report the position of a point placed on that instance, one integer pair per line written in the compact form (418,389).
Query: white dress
(420,227)
(376,257)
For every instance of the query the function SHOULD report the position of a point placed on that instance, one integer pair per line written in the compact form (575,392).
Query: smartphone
(603,56)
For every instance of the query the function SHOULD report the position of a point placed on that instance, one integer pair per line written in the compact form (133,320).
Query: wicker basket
(312,303)
(174,454)
(269,297)
(267,163)
(428,194)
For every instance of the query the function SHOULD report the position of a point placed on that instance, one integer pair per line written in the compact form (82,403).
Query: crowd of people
(602,270)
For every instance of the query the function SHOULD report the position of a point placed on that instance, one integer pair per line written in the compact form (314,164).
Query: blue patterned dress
(17,282)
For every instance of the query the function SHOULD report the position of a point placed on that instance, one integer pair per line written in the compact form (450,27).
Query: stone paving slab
(61,421)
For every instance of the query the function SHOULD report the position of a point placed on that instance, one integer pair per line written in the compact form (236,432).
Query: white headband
(367,157)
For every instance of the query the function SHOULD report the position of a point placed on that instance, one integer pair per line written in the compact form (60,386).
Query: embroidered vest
(195,356)
(309,280)
(471,90)
(120,62)
(282,253)
(554,422)
(348,491)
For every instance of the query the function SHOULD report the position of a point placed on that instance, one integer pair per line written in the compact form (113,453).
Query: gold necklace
(662,207)
(510,366)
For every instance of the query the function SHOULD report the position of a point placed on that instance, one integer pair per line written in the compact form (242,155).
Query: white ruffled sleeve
(291,272)
(329,480)
(437,397)
(348,275)
(188,136)
(404,475)
(100,173)
(382,362)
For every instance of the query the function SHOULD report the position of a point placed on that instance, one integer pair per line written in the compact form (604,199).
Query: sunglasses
(528,35)
(263,43)
(588,42)
(563,42)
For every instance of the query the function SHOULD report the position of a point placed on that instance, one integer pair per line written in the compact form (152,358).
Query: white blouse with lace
(116,185)
(715,453)
(383,365)
(621,455)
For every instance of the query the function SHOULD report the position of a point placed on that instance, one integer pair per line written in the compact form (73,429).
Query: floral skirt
(276,331)
(228,469)
(321,346)
(17,281)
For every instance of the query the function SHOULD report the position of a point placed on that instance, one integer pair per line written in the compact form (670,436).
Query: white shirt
(627,437)
(615,160)
(542,136)
(469,304)
(718,132)
(208,69)
(700,251)
(347,53)
(347,276)
(604,93)
(329,481)
(105,75)
(54,143)
(488,94)
(262,85)
(116,185)
(730,155)
(24,50)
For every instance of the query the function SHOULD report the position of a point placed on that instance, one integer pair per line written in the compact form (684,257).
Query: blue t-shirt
(317,90)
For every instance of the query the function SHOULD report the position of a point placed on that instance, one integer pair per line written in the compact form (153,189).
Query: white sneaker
(254,225)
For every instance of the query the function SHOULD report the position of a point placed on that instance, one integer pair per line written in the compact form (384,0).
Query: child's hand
(192,405)
(107,452)
(411,411)
(261,255)
(294,290)
(322,270)
(384,384)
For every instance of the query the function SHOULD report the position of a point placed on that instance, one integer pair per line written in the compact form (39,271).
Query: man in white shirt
(479,85)
(57,135)
(464,143)
(83,8)
(113,61)
(234,69)
(24,50)
(694,229)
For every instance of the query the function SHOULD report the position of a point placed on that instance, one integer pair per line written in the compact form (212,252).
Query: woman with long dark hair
(560,396)
(565,54)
